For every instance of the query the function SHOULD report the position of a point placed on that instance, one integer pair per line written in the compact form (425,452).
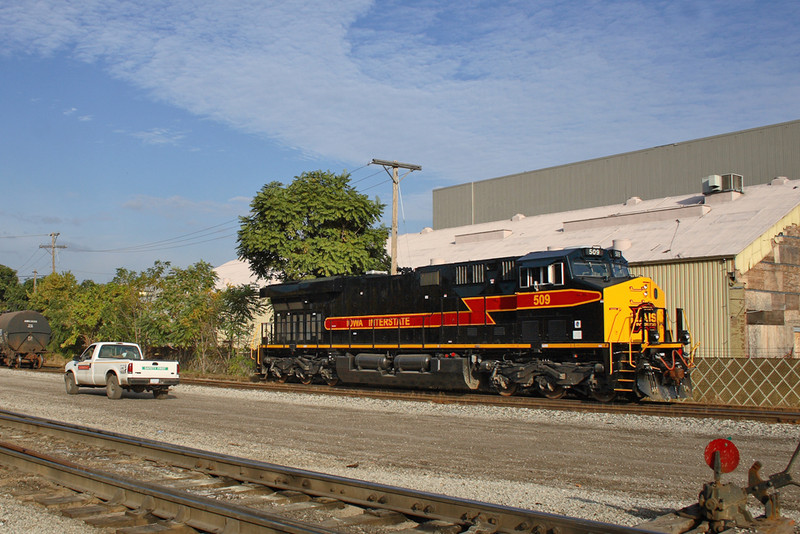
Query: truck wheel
(69,383)
(161,394)
(113,390)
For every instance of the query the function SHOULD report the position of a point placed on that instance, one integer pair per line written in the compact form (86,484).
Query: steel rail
(168,504)
(421,506)
(676,409)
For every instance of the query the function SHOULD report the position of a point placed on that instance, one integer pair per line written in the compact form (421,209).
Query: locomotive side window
(620,270)
(534,277)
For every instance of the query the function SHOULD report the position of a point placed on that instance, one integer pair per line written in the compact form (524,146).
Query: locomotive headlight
(653,336)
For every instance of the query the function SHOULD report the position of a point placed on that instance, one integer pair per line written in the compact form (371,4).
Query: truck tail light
(178,370)
(130,368)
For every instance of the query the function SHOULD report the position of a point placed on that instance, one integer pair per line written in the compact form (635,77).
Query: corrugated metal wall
(759,155)
(701,288)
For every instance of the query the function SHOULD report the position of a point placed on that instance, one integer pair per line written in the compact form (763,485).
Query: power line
(21,236)
(172,242)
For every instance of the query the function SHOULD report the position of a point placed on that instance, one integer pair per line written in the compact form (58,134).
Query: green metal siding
(702,289)
(758,155)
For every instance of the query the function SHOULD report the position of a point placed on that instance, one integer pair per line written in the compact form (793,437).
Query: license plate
(154,380)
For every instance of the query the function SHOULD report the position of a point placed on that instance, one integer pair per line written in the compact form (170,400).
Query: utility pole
(52,246)
(395,193)
(34,280)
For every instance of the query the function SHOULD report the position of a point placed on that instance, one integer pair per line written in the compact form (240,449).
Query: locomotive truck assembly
(550,322)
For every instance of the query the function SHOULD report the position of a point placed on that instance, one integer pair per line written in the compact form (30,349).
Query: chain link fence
(747,381)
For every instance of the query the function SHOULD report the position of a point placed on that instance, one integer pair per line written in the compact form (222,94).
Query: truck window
(87,354)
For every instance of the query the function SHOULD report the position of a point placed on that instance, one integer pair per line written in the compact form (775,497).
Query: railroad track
(156,486)
(676,409)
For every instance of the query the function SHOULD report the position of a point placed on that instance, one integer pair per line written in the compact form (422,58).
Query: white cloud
(175,207)
(159,136)
(468,90)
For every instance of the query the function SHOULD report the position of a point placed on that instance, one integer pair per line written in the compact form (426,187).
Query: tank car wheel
(306,379)
(332,381)
(281,379)
(38,362)
(70,385)
(14,364)
(113,389)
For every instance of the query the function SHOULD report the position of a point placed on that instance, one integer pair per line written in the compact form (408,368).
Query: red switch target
(728,454)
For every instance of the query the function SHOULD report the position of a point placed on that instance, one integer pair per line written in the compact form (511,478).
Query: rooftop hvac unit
(732,182)
(712,184)
(716,183)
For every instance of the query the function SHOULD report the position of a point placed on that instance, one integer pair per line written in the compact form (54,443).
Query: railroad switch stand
(724,506)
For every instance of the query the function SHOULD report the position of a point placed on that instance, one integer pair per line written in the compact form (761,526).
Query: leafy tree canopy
(13,295)
(318,225)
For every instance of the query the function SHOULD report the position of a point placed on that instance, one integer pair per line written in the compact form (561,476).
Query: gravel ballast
(604,467)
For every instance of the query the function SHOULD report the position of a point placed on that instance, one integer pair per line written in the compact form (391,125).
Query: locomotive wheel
(508,390)
(281,379)
(332,381)
(38,362)
(306,379)
(603,395)
(552,391)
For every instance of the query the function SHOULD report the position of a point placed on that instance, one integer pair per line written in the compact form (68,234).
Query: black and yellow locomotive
(547,322)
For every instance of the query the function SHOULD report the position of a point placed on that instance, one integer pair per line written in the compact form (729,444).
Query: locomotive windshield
(598,263)
(591,269)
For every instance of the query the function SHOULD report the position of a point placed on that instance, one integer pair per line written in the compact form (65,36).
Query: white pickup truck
(118,366)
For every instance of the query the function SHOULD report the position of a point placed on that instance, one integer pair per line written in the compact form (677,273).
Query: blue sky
(140,131)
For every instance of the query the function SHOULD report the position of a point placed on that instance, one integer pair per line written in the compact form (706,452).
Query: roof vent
(779,180)
(517,217)
(426,230)
(717,183)
(633,201)
(621,244)
(477,237)
(712,184)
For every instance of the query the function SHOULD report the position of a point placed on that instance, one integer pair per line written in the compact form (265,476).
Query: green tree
(53,297)
(134,316)
(13,295)
(240,305)
(318,225)
(185,312)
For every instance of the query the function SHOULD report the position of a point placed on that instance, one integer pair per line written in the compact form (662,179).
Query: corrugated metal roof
(649,231)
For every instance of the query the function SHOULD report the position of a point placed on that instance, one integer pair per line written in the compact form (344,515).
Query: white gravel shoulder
(603,505)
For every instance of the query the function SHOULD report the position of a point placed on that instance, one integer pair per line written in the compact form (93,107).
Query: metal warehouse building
(715,221)
(759,155)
